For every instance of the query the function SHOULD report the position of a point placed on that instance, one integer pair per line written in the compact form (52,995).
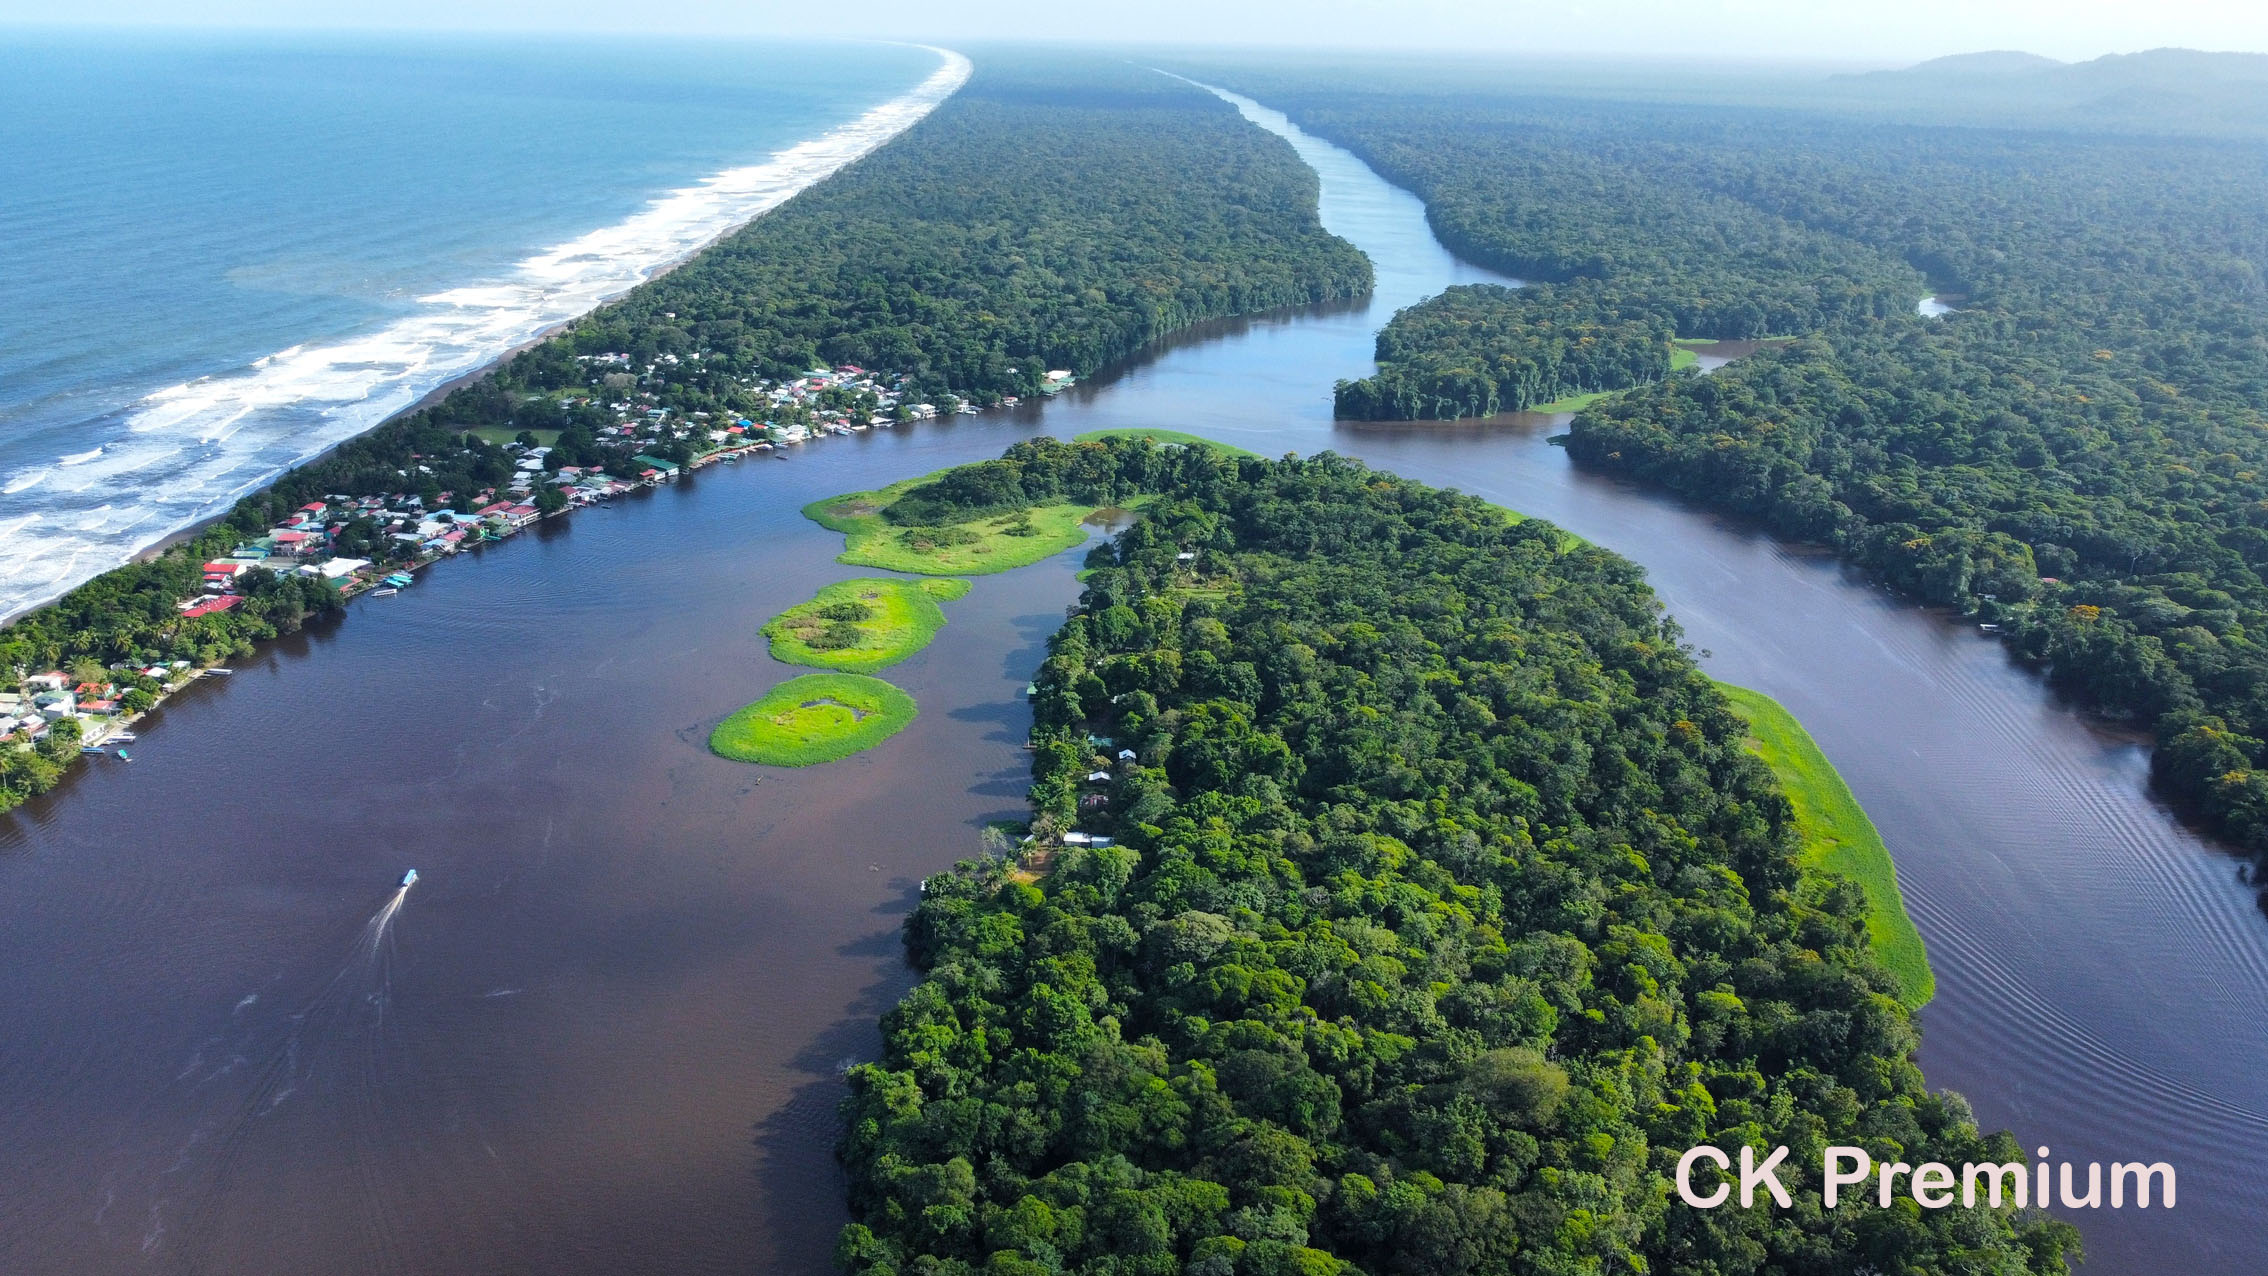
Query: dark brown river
(603,1035)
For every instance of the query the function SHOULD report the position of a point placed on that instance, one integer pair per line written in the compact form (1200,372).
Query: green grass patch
(1838,836)
(503,434)
(975,548)
(1154,435)
(1574,402)
(819,717)
(1684,353)
(858,626)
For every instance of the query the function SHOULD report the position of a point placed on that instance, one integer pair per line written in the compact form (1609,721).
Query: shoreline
(951,76)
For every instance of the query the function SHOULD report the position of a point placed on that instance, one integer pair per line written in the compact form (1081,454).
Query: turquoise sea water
(225,253)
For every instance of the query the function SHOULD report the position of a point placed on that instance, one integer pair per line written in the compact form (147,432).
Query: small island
(858,626)
(819,717)
(918,526)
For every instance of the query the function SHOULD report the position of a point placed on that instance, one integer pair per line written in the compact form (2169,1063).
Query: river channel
(604,1032)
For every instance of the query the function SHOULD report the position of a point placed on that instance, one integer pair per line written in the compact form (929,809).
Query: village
(374,543)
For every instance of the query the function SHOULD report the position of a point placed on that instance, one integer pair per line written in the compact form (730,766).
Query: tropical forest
(1443,909)
(2076,454)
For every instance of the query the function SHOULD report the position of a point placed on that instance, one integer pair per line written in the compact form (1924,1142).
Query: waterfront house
(295,544)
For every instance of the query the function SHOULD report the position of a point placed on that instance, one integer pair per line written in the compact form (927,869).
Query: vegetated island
(819,717)
(1480,349)
(1055,215)
(898,529)
(1400,898)
(858,626)
(2077,459)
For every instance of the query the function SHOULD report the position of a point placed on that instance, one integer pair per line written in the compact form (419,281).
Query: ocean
(227,253)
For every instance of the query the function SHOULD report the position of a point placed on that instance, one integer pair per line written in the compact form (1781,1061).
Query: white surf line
(244,428)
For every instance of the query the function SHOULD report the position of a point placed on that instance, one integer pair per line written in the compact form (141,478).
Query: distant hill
(2172,69)
(2161,90)
(1997,62)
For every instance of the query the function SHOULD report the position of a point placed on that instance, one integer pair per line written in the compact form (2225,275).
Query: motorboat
(409,879)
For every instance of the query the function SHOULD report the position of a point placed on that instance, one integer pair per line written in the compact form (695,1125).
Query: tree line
(1055,214)
(1445,910)
(1480,349)
(2078,455)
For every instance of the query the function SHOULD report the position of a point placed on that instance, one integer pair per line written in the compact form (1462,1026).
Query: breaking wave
(186,452)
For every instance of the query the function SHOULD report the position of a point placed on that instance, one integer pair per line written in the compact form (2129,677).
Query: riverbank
(1838,837)
(233,421)
(1248,788)
(612,884)
(464,468)
(1682,356)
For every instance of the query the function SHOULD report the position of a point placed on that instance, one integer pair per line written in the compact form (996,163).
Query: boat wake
(189,450)
(312,1077)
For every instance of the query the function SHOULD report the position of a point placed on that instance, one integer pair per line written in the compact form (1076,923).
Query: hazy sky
(1845,30)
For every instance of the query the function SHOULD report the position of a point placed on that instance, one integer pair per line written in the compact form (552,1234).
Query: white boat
(384,591)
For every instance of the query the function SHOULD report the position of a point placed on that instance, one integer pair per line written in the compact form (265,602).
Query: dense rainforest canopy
(1445,910)
(1052,215)
(1481,349)
(2078,454)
